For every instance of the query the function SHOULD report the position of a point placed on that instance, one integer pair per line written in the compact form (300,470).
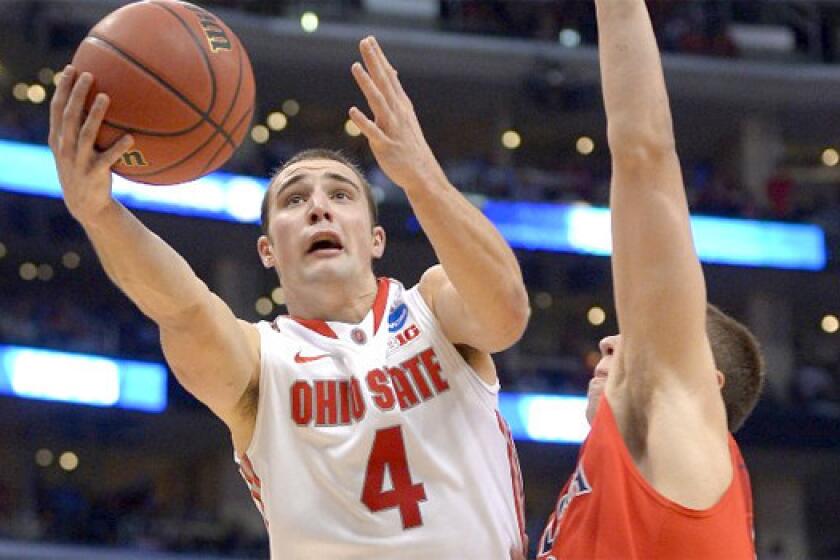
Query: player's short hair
(738,357)
(320,153)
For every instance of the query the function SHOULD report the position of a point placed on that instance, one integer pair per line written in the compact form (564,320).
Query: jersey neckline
(330,329)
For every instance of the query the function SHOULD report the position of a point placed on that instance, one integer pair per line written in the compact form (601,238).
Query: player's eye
(294,200)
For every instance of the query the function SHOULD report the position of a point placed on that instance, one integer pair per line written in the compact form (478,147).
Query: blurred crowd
(556,356)
(694,27)
(100,325)
(132,517)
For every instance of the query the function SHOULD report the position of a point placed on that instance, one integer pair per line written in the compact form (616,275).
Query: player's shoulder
(250,330)
(279,326)
(430,284)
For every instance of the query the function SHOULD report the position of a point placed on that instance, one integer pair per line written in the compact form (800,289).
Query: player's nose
(319,207)
(607,345)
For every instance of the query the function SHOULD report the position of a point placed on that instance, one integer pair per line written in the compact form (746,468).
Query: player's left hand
(394,134)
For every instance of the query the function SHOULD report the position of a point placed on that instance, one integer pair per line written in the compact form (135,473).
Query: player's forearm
(635,98)
(155,277)
(476,258)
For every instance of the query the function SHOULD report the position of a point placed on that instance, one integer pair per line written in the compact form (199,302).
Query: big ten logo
(213,31)
(134,158)
(407,335)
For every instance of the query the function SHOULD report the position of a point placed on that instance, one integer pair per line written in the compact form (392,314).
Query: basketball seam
(230,110)
(206,118)
(204,144)
(200,46)
(175,164)
(242,119)
(238,87)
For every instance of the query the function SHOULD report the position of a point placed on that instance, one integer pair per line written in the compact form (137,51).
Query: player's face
(608,347)
(319,224)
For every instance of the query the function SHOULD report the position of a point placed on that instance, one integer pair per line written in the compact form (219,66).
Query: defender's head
(738,361)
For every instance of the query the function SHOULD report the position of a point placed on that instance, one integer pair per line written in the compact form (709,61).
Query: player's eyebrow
(342,179)
(294,179)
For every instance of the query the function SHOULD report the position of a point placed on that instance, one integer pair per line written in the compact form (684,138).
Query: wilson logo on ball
(216,36)
(134,158)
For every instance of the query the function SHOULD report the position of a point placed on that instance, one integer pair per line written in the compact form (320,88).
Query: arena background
(755,91)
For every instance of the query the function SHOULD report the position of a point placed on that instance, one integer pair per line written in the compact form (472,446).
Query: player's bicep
(215,357)
(659,287)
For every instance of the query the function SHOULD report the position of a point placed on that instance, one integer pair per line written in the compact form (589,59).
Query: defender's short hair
(738,357)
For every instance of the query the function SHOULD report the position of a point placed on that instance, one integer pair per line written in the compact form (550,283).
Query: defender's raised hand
(394,134)
(84,171)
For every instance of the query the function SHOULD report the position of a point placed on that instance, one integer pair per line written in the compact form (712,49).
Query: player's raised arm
(659,288)
(213,355)
(477,294)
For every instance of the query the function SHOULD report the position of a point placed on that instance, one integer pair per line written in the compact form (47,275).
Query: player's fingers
(374,97)
(372,132)
(376,68)
(72,115)
(390,72)
(90,129)
(59,101)
(113,154)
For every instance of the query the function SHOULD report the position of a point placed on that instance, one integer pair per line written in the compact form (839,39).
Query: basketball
(179,81)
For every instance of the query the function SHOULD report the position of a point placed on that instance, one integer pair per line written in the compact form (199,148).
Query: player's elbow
(515,315)
(195,307)
(640,144)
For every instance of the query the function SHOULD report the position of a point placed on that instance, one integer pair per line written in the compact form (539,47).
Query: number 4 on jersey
(388,451)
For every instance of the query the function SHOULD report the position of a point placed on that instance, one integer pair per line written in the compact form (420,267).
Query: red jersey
(608,510)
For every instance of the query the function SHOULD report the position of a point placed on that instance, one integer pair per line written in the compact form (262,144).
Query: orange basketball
(179,81)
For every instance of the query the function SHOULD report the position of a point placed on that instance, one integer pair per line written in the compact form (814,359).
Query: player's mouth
(324,244)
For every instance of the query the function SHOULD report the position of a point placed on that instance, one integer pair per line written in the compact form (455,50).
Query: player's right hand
(84,171)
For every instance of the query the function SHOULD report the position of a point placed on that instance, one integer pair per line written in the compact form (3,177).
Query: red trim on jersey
(515,478)
(248,478)
(246,469)
(318,325)
(379,303)
(321,327)
(250,467)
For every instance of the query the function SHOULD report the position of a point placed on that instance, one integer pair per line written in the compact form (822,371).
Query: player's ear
(264,250)
(721,379)
(378,242)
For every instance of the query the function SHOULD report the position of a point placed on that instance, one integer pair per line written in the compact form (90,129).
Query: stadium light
(579,229)
(38,373)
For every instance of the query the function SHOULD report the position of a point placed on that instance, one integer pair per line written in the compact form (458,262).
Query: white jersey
(377,440)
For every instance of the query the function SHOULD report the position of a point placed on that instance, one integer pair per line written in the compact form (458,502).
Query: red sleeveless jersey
(607,510)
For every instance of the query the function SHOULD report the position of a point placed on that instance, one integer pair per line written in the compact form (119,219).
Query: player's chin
(592,401)
(596,386)
(332,266)
(593,396)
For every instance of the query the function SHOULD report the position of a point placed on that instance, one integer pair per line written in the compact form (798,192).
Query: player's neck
(346,302)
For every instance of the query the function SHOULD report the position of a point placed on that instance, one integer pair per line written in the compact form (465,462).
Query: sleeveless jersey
(377,440)
(607,510)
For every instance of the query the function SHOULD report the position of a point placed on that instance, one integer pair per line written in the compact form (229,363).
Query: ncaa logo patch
(397,317)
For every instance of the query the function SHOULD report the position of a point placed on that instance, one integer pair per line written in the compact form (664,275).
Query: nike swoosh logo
(304,359)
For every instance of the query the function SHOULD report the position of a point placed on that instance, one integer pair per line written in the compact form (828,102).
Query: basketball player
(659,476)
(366,421)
